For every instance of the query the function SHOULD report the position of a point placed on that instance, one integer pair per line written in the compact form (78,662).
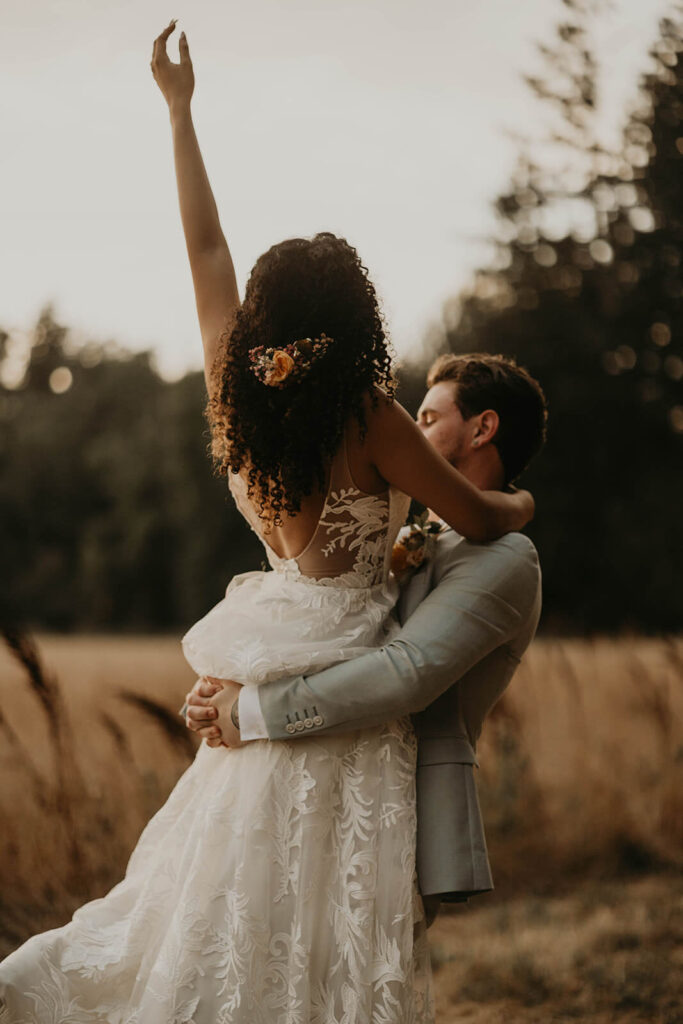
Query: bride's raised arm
(404,457)
(213,273)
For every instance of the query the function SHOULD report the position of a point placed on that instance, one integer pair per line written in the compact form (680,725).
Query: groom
(468,614)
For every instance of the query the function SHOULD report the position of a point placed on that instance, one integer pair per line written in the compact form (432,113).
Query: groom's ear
(486,427)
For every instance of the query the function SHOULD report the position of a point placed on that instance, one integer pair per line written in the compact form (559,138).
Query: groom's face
(443,424)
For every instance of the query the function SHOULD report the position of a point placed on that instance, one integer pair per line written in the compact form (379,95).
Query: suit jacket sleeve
(479,603)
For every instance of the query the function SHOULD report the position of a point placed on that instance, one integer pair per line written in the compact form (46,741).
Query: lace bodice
(352,543)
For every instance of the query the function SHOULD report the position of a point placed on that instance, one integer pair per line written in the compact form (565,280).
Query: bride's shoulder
(377,396)
(385,417)
(380,407)
(366,442)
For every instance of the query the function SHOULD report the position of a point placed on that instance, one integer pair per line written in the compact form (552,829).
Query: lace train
(276,885)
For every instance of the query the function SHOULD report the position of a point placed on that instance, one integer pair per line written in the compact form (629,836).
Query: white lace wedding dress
(277,884)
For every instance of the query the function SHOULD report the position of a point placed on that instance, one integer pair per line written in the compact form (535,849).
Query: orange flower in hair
(279,367)
(282,365)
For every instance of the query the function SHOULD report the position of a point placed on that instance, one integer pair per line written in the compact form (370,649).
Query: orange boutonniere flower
(411,550)
(399,559)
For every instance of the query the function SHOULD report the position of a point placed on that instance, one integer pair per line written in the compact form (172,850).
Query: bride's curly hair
(299,288)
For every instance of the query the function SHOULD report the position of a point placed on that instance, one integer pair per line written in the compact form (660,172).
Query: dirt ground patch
(605,952)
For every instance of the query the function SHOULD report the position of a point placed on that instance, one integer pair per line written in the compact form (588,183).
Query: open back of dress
(352,542)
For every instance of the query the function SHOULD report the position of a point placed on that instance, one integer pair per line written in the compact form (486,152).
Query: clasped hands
(208,711)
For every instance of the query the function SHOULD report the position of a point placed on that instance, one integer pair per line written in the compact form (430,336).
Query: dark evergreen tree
(595,313)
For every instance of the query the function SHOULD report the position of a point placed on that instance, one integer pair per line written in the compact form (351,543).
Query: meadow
(581,784)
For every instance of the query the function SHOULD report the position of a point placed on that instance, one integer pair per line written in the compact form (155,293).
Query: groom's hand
(208,713)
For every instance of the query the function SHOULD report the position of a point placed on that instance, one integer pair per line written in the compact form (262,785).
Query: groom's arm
(477,606)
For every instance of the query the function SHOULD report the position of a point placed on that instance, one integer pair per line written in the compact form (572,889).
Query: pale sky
(385,121)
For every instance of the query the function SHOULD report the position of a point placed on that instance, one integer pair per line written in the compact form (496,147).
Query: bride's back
(343,533)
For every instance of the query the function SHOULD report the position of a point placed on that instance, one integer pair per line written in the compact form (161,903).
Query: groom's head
(485,414)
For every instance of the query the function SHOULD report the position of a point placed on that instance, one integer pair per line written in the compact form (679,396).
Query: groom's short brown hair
(497,382)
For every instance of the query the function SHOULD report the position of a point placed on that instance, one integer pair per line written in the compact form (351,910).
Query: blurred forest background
(113,520)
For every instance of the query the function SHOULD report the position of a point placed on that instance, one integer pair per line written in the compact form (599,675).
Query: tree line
(113,520)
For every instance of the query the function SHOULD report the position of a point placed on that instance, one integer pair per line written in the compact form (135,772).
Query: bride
(277,884)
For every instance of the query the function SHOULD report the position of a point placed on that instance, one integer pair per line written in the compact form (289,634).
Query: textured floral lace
(354,525)
(358,523)
(276,885)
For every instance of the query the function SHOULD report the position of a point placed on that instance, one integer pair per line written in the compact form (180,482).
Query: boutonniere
(414,546)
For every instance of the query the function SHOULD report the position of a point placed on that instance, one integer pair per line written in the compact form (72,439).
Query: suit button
(308,723)
(289,727)
(298,725)
(318,720)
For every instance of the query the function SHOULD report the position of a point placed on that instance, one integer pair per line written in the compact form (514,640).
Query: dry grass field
(581,785)
(605,952)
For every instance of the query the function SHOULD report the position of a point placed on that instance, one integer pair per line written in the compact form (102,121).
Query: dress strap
(237,485)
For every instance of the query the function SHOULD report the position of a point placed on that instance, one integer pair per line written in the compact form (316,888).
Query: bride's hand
(176,81)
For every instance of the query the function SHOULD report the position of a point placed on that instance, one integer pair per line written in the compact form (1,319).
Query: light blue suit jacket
(468,615)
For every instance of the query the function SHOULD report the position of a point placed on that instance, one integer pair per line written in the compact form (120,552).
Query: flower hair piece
(280,367)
